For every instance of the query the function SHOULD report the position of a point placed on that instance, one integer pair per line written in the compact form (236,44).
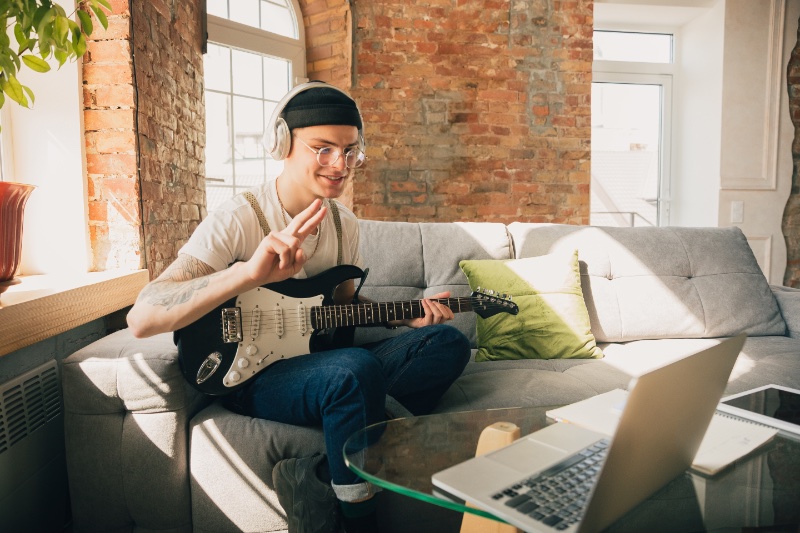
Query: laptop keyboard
(557,496)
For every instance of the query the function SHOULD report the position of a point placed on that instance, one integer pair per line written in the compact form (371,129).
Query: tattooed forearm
(178,283)
(169,294)
(185,268)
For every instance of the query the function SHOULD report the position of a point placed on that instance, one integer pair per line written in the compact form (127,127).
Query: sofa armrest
(126,416)
(789,304)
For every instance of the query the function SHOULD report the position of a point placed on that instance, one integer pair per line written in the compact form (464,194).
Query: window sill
(43,306)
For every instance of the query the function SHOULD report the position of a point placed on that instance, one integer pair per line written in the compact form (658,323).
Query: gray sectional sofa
(146,452)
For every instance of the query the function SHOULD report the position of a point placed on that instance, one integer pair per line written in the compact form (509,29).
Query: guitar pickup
(279,321)
(231,324)
(255,322)
(302,318)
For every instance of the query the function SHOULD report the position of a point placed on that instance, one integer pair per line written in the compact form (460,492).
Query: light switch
(737,212)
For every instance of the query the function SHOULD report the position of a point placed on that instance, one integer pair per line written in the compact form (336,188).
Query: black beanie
(321,106)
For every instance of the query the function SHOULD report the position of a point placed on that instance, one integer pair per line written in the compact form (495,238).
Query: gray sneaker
(310,505)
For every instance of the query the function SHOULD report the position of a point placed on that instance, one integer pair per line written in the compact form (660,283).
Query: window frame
(235,35)
(663,75)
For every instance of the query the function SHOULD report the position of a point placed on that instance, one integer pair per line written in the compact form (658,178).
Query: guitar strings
(338,315)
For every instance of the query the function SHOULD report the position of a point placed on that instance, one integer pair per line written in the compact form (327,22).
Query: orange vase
(13,197)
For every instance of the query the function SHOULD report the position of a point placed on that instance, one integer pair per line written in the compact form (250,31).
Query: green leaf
(101,17)
(2,98)
(45,30)
(29,46)
(19,35)
(61,55)
(38,16)
(105,4)
(7,65)
(12,87)
(80,45)
(62,30)
(86,22)
(30,94)
(35,63)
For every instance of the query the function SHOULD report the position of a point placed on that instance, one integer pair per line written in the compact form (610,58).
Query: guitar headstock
(486,303)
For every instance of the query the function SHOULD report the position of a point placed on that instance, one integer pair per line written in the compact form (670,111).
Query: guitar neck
(365,314)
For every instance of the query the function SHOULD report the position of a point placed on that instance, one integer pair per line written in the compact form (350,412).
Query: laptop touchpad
(527,456)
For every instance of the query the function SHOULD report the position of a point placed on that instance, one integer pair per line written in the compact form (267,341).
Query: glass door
(630,150)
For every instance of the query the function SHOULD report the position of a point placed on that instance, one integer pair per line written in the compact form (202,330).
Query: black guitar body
(225,348)
(203,339)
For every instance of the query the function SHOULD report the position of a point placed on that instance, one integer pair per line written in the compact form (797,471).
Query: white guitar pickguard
(274,327)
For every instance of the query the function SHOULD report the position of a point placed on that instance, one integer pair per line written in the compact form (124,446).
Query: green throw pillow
(552,322)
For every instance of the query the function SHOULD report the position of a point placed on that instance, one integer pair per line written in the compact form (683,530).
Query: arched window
(256,53)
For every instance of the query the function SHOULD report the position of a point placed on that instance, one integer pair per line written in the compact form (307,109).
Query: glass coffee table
(761,490)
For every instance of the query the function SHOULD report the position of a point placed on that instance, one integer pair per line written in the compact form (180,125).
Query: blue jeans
(345,390)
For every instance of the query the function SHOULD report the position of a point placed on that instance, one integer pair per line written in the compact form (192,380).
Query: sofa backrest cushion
(409,261)
(669,282)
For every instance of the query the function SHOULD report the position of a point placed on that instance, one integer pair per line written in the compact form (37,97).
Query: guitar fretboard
(334,316)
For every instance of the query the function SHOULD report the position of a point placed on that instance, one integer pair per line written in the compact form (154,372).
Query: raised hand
(279,255)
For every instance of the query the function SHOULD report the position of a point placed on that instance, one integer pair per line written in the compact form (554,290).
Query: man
(317,130)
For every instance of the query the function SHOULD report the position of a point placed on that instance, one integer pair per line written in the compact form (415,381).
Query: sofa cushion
(529,383)
(126,409)
(552,321)
(409,261)
(648,283)
(232,457)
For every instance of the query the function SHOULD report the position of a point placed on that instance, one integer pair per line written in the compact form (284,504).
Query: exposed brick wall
(328,31)
(110,140)
(171,124)
(479,110)
(145,133)
(475,110)
(791,214)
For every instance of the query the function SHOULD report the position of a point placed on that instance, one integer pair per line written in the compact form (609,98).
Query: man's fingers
(433,315)
(308,219)
(438,312)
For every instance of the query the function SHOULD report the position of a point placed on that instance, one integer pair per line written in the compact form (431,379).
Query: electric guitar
(225,348)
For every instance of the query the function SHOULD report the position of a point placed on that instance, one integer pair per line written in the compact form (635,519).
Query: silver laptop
(566,478)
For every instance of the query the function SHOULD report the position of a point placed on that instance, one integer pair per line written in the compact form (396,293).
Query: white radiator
(33,474)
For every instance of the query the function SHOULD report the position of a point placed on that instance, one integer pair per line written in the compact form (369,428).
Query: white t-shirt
(232,233)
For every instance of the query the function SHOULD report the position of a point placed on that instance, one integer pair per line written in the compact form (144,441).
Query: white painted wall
(48,152)
(696,124)
(756,157)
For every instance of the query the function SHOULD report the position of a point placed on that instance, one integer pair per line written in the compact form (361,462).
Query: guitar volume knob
(234,376)
(251,349)
(243,363)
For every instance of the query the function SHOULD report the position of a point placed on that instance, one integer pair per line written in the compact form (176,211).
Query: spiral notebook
(726,440)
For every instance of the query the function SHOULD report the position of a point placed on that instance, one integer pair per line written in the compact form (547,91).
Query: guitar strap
(338,223)
(262,221)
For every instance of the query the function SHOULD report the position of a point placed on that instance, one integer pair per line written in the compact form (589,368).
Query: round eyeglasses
(327,156)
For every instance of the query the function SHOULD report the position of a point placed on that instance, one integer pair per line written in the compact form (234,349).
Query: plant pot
(13,197)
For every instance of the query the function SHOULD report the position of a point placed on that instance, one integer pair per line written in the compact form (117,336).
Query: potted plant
(42,32)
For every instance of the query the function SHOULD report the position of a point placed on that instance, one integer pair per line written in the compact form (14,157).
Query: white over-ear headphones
(279,138)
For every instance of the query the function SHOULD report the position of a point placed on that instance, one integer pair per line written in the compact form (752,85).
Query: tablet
(771,405)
